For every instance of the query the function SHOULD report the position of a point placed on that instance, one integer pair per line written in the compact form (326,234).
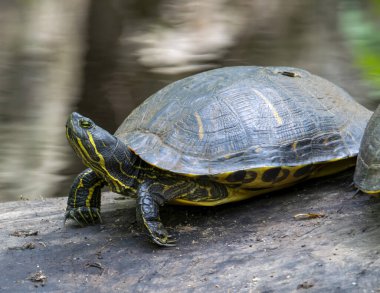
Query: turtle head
(93,144)
(367,172)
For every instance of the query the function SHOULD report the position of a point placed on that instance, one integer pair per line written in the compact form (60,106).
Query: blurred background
(103,58)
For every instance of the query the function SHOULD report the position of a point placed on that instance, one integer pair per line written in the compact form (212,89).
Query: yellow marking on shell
(271,107)
(240,193)
(333,166)
(294,146)
(258,182)
(370,191)
(234,194)
(200,125)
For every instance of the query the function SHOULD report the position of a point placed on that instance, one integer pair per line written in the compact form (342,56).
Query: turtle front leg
(83,204)
(147,214)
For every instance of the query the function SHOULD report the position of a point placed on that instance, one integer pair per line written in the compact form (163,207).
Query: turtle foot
(158,234)
(83,216)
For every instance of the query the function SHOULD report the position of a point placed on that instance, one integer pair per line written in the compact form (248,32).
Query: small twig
(38,277)
(24,233)
(95,265)
(308,216)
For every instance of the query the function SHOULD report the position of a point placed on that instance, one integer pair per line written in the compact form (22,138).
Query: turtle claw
(158,234)
(83,216)
(167,242)
(358,191)
(68,216)
(97,213)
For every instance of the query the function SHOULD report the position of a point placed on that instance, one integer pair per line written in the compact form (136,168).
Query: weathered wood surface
(253,246)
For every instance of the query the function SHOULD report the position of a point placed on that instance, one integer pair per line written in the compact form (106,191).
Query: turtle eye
(85,123)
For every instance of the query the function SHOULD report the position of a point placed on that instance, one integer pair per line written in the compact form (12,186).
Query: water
(103,58)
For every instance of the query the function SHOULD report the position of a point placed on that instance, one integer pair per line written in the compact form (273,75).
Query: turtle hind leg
(147,214)
(83,204)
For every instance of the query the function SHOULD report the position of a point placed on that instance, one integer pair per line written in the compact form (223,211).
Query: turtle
(216,137)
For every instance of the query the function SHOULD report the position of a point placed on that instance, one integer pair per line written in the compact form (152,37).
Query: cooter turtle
(216,137)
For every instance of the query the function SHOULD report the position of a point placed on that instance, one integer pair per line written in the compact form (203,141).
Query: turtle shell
(246,117)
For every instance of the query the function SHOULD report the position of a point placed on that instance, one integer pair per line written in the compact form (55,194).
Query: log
(316,236)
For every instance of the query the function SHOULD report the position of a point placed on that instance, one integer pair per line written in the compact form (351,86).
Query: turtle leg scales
(83,204)
(147,214)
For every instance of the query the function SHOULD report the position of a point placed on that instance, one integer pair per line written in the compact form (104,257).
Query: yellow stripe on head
(99,155)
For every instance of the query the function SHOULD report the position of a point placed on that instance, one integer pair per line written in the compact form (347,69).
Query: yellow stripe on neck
(116,182)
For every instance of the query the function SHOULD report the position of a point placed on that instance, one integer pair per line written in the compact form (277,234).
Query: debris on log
(251,246)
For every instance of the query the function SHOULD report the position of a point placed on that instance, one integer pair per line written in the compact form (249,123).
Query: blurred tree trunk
(105,22)
(40,59)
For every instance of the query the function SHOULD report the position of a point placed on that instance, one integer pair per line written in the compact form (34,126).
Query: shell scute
(244,118)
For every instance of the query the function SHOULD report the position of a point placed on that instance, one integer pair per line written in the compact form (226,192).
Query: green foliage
(361,32)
